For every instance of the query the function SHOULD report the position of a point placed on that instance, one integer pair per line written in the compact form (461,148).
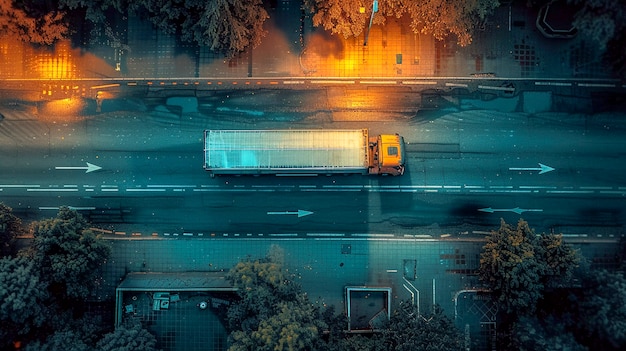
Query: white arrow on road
(542,168)
(89,168)
(300,213)
(516,210)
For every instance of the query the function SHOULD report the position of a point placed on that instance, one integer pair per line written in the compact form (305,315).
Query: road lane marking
(418,82)
(378,82)
(328,81)
(70,207)
(373,235)
(557,84)
(596,85)
(417,189)
(489,87)
(570,192)
(325,234)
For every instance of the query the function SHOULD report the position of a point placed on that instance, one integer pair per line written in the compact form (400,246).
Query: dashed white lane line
(570,191)
(442,189)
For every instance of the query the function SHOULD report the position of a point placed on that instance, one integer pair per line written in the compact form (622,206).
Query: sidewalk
(507,45)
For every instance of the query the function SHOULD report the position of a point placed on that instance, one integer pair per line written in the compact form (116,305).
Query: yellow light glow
(66,110)
(58,64)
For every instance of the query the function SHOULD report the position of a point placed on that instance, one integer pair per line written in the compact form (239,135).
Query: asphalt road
(467,168)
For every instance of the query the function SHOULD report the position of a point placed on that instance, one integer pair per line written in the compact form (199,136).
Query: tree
(439,18)
(531,334)
(66,340)
(558,259)
(604,22)
(10,228)
(22,296)
(33,26)
(335,336)
(273,313)
(294,326)
(410,331)
(359,342)
(510,267)
(227,26)
(128,337)
(602,312)
(600,20)
(68,254)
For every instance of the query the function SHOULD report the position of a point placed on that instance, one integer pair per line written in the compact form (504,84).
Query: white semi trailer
(302,152)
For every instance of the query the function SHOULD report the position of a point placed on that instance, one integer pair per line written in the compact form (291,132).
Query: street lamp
(374,10)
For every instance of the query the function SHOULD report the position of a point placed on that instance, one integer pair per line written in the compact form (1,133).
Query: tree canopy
(22,297)
(517,265)
(508,264)
(128,337)
(226,26)
(67,340)
(439,18)
(69,254)
(410,331)
(273,313)
(31,22)
(602,312)
(548,334)
(10,228)
(604,22)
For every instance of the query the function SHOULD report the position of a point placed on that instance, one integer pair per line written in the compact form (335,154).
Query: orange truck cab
(387,155)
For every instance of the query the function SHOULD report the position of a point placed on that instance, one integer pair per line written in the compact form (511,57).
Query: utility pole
(374,10)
